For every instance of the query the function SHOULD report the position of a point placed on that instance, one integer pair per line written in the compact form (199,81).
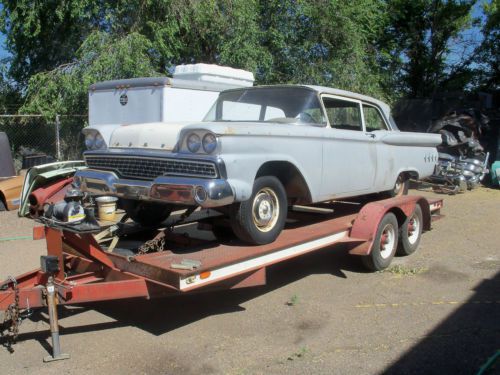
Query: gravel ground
(435,312)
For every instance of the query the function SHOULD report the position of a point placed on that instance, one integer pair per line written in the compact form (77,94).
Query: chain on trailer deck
(77,269)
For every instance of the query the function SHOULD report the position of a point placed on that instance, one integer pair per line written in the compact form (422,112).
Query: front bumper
(179,190)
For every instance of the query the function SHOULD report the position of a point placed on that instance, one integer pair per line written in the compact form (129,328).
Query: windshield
(268,104)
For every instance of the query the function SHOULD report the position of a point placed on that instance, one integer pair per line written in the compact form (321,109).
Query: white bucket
(106,208)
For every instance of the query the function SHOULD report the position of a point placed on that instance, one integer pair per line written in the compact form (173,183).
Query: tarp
(6,164)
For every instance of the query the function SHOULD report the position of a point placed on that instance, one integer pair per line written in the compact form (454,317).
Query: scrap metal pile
(463,161)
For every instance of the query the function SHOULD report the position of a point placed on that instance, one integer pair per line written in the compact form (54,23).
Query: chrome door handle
(371,135)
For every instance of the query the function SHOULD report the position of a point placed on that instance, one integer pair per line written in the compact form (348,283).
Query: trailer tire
(260,219)
(384,245)
(146,213)
(410,232)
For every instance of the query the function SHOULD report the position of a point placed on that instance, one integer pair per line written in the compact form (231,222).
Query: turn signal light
(205,275)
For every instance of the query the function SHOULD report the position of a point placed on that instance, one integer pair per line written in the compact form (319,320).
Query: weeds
(300,354)
(293,300)
(402,270)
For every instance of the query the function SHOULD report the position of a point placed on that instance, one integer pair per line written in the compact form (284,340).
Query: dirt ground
(435,312)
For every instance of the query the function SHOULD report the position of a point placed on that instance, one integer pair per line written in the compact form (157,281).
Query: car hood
(164,136)
(156,135)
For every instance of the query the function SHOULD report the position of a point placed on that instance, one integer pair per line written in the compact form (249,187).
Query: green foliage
(417,41)
(44,34)
(382,48)
(488,53)
(101,57)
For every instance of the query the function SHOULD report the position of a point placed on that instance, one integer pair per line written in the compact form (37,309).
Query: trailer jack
(54,324)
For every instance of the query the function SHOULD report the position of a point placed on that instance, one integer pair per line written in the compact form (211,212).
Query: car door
(376,127)
(349,153)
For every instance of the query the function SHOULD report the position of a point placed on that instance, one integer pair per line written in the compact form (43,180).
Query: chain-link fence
(32,136)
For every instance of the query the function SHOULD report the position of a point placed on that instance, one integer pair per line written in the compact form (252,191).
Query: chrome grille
(147,168)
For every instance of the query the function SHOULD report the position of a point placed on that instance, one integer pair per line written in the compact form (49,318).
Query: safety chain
(12,319)
(157,244)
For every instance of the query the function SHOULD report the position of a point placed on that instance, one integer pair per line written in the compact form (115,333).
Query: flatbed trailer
(78,269)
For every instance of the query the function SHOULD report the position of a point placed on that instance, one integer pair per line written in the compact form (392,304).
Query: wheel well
(2,199)
(410,174)
(295,185)
(400,215)
(426,214)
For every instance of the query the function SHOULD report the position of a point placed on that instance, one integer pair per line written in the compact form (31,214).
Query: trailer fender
(366,223)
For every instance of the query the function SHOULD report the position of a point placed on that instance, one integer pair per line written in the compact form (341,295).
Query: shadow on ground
(163,315)
(463,342)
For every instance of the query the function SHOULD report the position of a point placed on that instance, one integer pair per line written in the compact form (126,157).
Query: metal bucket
(106,208)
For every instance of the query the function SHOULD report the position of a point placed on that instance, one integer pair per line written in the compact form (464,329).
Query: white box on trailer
(186,97)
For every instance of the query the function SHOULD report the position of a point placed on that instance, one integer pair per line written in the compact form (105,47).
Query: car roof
(332,91)
(349,94)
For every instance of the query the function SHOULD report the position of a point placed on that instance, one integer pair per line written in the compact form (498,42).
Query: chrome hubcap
(265,209)
(387,241)
(413,229)
(398,187)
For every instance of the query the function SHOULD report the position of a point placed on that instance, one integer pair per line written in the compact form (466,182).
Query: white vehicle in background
(183,99)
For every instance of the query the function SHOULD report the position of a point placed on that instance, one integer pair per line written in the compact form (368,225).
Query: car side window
(236,111)
(373,119)
(273,112)
(343,114)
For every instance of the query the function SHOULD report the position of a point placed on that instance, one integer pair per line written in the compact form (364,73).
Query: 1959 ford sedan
(258,151)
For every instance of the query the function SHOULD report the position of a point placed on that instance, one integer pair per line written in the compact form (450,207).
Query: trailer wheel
(146,213)
(384,245)
(260,219)
(410,232)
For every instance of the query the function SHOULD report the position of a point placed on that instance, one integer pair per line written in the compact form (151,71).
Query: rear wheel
(260,219)
(400,187)
(410,232)
(2,206)
(147,214)
(384,244)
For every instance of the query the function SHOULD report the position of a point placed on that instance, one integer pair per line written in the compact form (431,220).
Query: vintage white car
(258,151)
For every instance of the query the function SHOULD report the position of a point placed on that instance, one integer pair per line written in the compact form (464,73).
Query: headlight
(99,141)
(193,143)
(94,140)
(209,143)
(90,141)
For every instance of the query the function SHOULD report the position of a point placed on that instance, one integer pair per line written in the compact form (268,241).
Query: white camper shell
(185,98)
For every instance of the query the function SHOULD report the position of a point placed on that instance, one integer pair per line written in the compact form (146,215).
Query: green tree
(324,42)
(487,55)
(41,35)
(63,90)
(418,40)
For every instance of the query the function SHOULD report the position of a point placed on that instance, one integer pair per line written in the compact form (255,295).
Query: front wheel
(260,219)
(384,245)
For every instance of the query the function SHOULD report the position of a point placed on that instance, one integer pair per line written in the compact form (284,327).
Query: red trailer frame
(88,273)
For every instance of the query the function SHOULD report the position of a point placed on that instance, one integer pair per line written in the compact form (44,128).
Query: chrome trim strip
(163,189)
